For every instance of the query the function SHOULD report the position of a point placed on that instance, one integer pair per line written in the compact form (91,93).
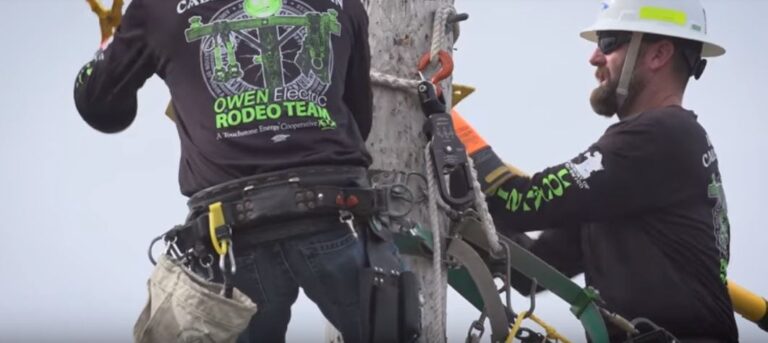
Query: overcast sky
(80,207)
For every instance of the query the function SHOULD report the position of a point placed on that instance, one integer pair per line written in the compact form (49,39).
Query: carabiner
(445,71)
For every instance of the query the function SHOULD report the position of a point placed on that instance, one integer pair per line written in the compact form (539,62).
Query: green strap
(483,282)
(581,300)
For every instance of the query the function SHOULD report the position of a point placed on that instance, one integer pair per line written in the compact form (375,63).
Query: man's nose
(598,58)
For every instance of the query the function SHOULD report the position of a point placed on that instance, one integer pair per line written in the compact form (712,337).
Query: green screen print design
(281,50)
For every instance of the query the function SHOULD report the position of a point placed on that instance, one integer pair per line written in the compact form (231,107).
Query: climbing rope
(434,200)
(482,209)
(438,42)
(391,81)
(439,25)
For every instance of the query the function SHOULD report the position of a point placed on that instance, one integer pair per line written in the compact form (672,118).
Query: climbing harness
(245,210)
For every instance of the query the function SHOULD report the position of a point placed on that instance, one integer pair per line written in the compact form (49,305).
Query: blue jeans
(325,264)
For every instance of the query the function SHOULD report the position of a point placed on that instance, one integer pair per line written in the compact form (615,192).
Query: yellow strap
(215,220)
(551,332)
(516,327)
(109,19)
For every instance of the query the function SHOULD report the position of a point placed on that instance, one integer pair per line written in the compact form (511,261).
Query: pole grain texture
(400,32)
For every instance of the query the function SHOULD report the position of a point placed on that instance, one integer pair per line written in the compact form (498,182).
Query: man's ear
(659,54)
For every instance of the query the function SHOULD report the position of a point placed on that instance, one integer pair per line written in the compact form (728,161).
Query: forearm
(100,103)
(106,87)
(358,94)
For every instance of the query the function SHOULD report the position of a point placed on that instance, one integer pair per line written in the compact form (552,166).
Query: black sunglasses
(609,41)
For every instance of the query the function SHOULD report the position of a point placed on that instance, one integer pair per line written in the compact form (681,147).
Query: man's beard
(604,100)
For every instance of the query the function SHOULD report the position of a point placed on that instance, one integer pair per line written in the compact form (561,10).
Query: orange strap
(467,134)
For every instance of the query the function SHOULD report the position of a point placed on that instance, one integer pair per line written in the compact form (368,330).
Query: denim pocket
(247,279)
(335,259)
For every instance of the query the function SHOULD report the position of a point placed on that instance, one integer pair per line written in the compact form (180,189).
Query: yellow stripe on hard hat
(664,14)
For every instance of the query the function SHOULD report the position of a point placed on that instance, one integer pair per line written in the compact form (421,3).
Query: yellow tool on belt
(216,220)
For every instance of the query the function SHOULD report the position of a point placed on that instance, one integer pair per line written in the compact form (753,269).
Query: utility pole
(400,33)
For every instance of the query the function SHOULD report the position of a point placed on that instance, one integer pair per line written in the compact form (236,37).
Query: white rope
(439,30)
(439,274)
(482,209)
(438,43)
(391,81)
(435,201)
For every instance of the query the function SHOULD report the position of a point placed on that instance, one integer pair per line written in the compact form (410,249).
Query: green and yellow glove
(491,170)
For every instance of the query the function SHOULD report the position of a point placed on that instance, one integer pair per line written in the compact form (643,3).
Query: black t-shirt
(257,85)
(648,219)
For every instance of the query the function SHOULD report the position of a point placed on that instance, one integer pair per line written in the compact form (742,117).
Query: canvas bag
(183,307)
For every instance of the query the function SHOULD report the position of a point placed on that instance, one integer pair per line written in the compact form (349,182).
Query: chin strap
(622,91)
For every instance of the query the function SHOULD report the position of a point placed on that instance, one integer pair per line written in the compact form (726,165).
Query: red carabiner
(445,71)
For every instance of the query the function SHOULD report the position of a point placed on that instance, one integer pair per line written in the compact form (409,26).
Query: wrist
(491,170)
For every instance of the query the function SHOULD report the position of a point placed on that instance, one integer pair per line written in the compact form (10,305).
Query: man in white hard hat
(642,211)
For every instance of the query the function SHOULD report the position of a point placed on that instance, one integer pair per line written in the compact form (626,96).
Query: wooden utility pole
(400,33)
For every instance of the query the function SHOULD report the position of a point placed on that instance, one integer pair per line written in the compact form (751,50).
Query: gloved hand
(491,170)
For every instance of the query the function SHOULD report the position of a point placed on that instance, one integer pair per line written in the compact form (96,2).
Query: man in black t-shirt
(642,211)
(258,86)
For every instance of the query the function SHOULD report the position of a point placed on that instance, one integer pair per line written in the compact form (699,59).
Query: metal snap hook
(445,71)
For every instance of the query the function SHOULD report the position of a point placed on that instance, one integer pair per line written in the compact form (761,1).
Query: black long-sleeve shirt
(256,86)
(648,219)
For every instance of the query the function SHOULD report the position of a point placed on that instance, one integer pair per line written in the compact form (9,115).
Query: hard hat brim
(709,49)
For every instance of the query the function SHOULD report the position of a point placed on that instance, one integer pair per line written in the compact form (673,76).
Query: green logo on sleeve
(722,226)
(552,186)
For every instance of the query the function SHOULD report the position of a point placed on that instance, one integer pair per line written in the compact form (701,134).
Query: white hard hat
(685,19)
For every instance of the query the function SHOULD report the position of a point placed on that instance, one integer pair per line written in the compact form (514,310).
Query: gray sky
(80,207)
